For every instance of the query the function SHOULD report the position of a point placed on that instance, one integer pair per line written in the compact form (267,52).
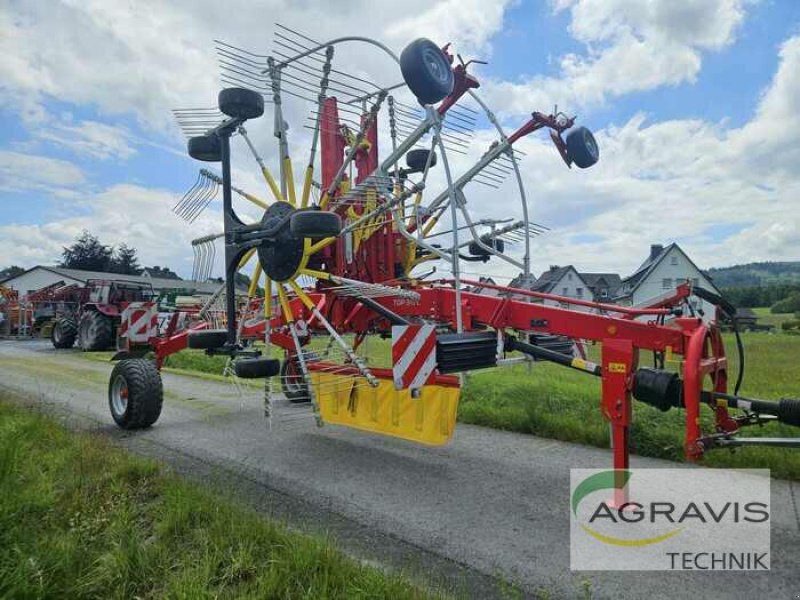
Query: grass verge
(554,402)
(82,519)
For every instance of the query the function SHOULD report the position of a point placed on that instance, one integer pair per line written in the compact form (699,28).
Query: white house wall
(36,279)
(570,286)
(653,286)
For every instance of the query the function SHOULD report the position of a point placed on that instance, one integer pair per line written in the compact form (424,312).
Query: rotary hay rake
(340,256)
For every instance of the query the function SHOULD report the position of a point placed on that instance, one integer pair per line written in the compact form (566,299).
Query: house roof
(647,267)
(610,280)
(548,280)
(203,287)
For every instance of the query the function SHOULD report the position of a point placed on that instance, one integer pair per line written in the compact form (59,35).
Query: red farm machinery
(90,314)
(348,252)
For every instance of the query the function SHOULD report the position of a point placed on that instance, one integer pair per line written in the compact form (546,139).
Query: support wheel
(315,224)
(64,333)
(582,148)
(241,103)
(426,71)
(135,393)
(292,382)
(206,148)
(95,331)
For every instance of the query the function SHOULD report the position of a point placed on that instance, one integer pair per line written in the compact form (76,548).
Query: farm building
(38,277)
(663,270)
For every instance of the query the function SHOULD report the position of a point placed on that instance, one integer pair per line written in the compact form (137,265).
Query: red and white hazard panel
(139,322)
(413,355)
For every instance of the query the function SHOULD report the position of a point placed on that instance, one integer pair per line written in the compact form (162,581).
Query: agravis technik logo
(670,519)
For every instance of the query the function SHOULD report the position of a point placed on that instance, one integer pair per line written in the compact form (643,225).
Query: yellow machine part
(429,419)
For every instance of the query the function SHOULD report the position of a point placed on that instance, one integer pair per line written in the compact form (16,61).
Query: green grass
(82,519)
(554,402)
(775,319)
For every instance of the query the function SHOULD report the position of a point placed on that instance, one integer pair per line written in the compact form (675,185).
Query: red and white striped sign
(413,355)
(139,321)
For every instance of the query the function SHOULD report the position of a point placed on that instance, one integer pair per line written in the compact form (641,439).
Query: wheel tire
(135,393)
(95,331)
(497,244)
(207,338)
(582,148)
(417,159)
(64,333)
(556,343)
(206,148)
(426,71)
(241,103)
(292,383)
(257,368)
(315,224)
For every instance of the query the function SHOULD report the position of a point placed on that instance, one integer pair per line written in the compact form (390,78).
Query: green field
(82,519)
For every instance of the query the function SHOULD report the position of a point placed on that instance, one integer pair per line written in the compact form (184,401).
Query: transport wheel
(426,71)
(417,159)
(582,148)
(206,148)
(64,333)
(207,338)
(241,103)
(498,244)
(292,382)
(315,224)
(94,331)
(256,368)
(135,393)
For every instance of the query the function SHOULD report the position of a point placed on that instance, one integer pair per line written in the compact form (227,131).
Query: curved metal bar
(352,38)
(526,259)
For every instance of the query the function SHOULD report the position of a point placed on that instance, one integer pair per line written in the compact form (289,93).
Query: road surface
(490,507)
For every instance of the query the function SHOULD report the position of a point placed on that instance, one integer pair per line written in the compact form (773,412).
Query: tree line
(88,253)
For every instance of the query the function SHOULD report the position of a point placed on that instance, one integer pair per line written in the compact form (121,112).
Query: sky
(695,106)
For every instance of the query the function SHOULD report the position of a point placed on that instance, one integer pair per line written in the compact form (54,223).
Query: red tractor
(91,315)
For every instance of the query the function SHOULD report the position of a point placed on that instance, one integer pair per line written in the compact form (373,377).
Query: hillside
(756,274)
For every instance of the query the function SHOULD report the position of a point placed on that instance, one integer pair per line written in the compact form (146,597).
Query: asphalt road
(490,507)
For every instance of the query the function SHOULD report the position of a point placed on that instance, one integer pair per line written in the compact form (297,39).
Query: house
(478,289)
(40,276)
(603,286)
(663,270)
(562,281)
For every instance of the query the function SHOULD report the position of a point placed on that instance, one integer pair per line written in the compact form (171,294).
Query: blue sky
(687,118)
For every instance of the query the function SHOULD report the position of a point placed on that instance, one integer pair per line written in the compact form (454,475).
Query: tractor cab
(109,292)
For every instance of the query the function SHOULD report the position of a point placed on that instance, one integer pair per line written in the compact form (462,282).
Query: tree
(162,272)
(11,271)
(87,254)
(125,261)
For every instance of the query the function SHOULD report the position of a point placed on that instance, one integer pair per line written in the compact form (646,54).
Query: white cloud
(90,138)
(631,45)
(19,171)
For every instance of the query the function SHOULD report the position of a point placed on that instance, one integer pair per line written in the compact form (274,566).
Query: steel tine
(196,197)
(209,190)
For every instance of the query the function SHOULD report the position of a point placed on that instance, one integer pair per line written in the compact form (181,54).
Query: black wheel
(135,393)
(95,331)
(582,148)
(256,368)
(315,224)
(556,343)
(206,148)
(426,71)
(64,333)
(241,103)
(207,338)
(417,159)
(292,382)
(497,244)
